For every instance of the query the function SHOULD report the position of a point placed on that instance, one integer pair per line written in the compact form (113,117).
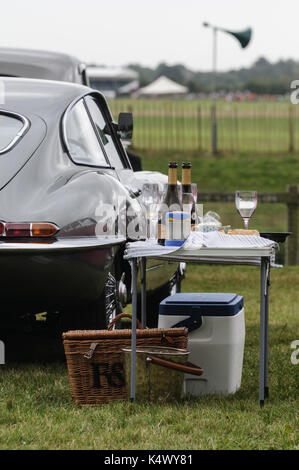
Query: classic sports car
(62,162)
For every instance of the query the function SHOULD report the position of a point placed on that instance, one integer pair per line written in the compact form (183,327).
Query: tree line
(263,77)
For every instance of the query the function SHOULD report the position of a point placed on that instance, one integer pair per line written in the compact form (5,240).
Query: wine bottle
(186,190)
(171,201)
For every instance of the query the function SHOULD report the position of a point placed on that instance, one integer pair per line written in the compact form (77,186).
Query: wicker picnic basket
(95,359)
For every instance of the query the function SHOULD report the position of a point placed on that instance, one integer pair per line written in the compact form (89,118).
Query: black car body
(60,160)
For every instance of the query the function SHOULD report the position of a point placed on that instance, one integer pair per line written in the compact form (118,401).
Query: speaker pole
(213,109)
(214,143)
(244,38)
(214,58)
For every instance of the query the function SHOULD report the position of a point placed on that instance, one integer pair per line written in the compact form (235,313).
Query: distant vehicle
(61,158)
(113,81)
(47,65)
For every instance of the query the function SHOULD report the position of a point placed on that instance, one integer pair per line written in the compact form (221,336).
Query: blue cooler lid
(198,305)
(202,304)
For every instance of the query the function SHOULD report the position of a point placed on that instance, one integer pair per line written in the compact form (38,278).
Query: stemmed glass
(180,191)
(246,202)
(187,203)
(150,200)
(150,195)
(194,191)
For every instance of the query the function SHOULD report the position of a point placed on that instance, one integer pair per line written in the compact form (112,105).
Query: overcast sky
(118,32)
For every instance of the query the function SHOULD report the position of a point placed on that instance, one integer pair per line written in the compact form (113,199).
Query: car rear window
(12,128)
(106,139)
(84,146)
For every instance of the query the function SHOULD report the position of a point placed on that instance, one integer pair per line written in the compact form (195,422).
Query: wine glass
(188,203)
(150,196)
(150,200)
(246,202)
(194,191)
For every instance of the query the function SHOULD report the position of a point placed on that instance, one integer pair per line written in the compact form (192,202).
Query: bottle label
(177,226)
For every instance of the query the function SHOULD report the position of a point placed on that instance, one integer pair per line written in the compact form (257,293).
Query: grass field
(36,411)
(230,173)
(257,127)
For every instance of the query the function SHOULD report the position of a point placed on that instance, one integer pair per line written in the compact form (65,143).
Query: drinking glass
(150,195)
(194,191)
(246,202)
(162,188)
(150,200)
(187,203)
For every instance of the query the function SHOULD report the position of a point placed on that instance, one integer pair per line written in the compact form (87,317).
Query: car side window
(12,128)
(83,144)
(106,140)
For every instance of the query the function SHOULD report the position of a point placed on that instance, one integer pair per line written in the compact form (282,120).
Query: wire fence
(185,125)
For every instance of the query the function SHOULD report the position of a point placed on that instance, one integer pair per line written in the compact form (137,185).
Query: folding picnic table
(259,256)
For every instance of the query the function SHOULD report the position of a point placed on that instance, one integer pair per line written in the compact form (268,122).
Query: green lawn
(230,173)
(36,411)
(256,127)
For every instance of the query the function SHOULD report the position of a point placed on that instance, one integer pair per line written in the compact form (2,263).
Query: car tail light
(17,230)
(43,229)
(27,229)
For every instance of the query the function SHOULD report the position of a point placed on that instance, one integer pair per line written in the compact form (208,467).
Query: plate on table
(279,237)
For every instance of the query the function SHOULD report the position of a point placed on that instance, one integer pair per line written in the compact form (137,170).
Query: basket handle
(93,346)
(123,315)
(92,349)
(187,367)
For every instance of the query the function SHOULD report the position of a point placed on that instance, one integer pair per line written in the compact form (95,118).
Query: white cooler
(216,338)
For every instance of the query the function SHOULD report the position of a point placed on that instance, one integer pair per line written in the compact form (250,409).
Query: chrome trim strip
(62,244)
(22,131)
(156,266)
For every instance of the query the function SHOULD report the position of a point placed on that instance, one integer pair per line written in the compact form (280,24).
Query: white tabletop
(219,255)
(213,255)
(211,247)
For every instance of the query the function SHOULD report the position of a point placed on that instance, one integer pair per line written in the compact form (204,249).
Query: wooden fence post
(199,124)
(292,255)
(291,129)
(236,121)
(214,135)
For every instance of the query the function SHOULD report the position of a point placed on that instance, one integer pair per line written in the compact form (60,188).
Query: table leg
(134,269)
(178,285)
(262,330)
(143,291)
(267,329)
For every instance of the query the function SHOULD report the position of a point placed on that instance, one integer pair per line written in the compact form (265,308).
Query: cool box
(216,338)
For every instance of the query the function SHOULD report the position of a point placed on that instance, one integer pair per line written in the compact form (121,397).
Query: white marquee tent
(163,86)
